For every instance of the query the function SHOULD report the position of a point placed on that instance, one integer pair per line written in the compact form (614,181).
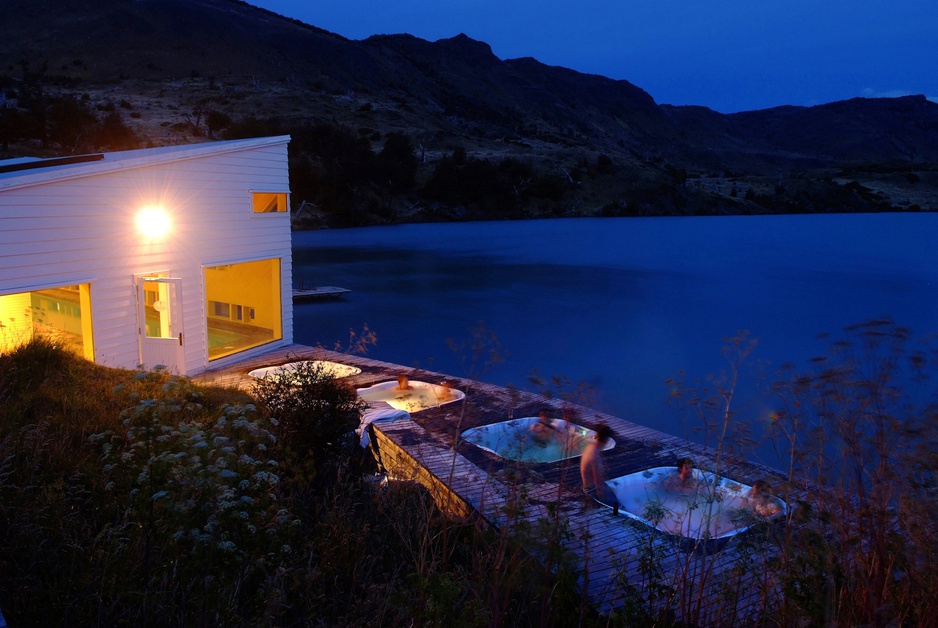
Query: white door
(159,312)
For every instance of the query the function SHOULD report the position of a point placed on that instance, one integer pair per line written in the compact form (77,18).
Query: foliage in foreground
(132,498)
(857,432)
(139,498)
(860,429)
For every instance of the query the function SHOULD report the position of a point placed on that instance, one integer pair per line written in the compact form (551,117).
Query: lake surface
(619,304)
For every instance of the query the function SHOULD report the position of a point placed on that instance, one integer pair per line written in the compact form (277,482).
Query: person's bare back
(591,465)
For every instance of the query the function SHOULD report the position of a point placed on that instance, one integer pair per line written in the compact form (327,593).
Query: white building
(175,256)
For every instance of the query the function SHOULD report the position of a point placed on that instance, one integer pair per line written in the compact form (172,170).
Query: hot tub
(418,395)
(332,369)
(513,440)
(707,507)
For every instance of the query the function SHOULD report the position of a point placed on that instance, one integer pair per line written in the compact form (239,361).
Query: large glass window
(243,306)
(61,314)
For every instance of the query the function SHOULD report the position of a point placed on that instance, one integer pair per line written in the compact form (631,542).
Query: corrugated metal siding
(82,230)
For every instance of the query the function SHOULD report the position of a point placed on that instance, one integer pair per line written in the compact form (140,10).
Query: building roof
(25,172)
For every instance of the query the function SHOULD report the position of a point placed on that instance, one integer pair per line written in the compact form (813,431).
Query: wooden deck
(607,549)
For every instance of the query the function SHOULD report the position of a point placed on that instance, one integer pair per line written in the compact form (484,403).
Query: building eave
(127,160)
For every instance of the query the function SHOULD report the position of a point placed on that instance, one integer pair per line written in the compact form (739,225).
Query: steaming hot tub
(333,369)
(706,507)
(513,440)
(418,396)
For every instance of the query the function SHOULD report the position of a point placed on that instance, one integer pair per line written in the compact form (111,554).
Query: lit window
(61,314)
(233,328)
(270,202)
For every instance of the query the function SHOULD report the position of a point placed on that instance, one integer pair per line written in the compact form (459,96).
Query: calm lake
(619,304)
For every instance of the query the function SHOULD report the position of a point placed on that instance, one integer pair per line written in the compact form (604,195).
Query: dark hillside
(80,76)
(867,130)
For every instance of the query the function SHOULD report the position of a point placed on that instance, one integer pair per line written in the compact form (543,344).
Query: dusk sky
(729,55)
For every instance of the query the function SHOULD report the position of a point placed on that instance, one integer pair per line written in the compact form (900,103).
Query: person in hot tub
(761,503)
(402,383)
(682,480)
(446,391)
(543,430)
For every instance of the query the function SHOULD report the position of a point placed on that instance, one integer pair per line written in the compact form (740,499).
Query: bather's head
(685,467)
(543,416)
(446,391)
(759,487)
(603,433)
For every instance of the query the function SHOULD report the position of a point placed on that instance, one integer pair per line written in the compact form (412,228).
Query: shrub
(313,412)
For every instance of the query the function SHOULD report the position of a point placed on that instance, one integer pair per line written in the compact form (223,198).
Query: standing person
(591,467)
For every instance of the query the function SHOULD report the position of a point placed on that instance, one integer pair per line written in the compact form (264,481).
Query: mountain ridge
(173,61)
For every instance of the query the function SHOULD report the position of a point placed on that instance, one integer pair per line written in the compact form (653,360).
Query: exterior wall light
(153,222)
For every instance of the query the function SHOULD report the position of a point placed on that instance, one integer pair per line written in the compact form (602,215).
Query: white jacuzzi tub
(418,396)
(513,440)
(712,507)
(333,369)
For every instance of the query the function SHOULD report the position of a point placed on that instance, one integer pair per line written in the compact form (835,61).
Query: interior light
(153,222)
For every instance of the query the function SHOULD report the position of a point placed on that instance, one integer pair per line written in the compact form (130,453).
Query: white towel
(373,415)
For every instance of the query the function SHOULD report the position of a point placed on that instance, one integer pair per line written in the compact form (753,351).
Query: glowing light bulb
(153,222)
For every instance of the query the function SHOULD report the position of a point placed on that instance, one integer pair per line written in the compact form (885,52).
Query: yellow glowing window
(269,202)
(61,314)
(242,306)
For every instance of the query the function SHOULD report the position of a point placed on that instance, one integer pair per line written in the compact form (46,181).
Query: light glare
(153,222)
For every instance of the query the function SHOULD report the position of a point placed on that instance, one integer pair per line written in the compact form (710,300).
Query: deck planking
(468,482)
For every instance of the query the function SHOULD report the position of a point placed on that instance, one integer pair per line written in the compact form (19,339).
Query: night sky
(728,55)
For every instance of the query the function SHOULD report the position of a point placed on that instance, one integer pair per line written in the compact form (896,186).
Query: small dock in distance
(319,294)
